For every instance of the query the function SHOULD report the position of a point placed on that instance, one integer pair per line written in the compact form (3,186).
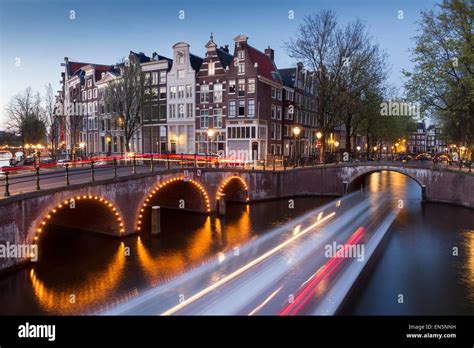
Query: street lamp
(210,134)
(296,133)
(319,135)
(108,141)
(82,145)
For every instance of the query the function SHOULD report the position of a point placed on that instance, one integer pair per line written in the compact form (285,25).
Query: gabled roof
(156,57)
(288,76)
(196,61)
(266,67)
(224,57)
(74,68)
(141,57)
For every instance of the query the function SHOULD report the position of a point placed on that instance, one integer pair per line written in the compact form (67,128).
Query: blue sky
(40,32)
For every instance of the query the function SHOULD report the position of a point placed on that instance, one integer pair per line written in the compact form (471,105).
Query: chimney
(269,52)
(224,48)
(154,56)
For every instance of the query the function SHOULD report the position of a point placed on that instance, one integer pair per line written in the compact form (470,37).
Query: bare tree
(25,117)
(364,70)
(51,118)
(342,59)
(125,95)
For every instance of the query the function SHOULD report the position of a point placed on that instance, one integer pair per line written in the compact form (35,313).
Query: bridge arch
(235,188)
(147,202)
(354,182)
(69,204)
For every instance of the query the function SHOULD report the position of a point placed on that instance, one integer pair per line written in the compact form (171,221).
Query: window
(180,91)
(154,78)
(241,107)
(273,131)
(251,86)
(189,91)
(84,95)
(162,112)
(204,122)
(273,92)
(232,86)
(172,111)
(147,78)
(162,92)
(218,93)
(278,131)
(218,118)
(89,83)
(162,76)
(189,110)
(241,68)
(278,93)
(241,87)
(173,92)
(89,94)
(241,54)
(278,114)
(211,68)
(273,112)
(204,94)
(95,92)
(251,111)
(180,57)
(180,110)
(232,108)
(180,73)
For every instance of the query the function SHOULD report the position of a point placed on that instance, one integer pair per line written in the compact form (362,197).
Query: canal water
(80,272)
(427,257)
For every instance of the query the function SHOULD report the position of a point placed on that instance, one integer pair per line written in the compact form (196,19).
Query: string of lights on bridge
(166,183)
(67,203)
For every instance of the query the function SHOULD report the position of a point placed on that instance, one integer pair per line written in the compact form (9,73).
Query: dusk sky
(40,32)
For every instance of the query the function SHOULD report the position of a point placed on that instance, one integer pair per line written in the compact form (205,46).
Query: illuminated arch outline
(165,183)
(229,179)
(65,204)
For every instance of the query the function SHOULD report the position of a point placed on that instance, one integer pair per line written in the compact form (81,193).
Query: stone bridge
(121,206)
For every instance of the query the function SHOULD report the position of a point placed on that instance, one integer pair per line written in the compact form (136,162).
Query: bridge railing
(30,178)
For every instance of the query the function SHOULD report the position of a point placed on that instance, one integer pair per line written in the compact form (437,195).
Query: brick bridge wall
(22,215)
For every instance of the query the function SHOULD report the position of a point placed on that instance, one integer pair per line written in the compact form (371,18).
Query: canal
(80,272)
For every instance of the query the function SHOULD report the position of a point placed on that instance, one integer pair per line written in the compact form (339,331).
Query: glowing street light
(319,135)
(358,148)
(336,143)
(296,131)
(210,132)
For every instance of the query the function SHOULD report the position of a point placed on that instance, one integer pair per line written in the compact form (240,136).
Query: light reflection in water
(468,271)
(89,293)
(214,235)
